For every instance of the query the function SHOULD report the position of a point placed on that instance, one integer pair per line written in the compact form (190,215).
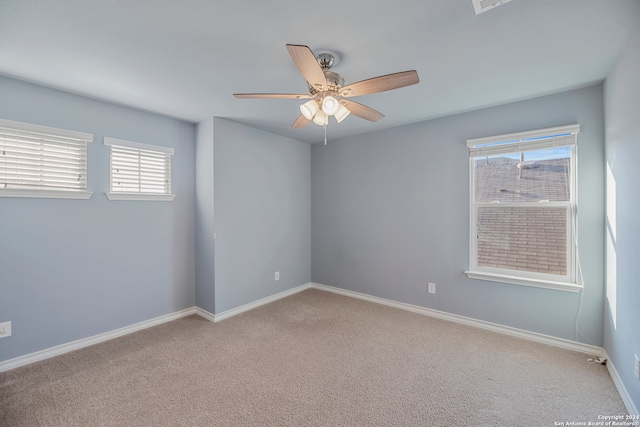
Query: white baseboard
(507,330)
(624,394)
(258,303)
(204,313)
(85,342)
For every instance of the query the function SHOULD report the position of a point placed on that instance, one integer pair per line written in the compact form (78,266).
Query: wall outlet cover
(5,329)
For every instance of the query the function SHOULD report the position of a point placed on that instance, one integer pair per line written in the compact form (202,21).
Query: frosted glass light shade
(309,109)
(341,114)
(321,119)
(330,105)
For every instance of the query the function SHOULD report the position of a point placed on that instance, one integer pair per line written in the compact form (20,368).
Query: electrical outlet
(431,288)
(5,329)
(636,367)
(277,275)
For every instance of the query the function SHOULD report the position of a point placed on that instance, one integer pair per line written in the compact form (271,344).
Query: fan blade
(381,84)
(272,95)
(362,111)
(308,65)
(300,122)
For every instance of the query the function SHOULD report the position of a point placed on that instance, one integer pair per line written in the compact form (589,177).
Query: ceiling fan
(327,94)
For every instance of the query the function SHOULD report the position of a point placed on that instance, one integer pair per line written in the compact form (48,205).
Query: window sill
(524,281)
(45,194)
(141,196)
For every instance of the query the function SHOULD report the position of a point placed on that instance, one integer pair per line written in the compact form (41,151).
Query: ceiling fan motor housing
(334,82)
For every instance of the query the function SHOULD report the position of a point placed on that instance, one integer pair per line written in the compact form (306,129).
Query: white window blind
(561,136)
(139,171)
(40,161)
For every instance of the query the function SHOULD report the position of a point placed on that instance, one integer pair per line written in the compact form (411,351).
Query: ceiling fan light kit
(321,119)
(330,105)
(327,91)
(309,109)
(341,114)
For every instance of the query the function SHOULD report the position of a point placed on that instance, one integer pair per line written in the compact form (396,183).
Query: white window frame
(130,195)
(38,157)
(561,136)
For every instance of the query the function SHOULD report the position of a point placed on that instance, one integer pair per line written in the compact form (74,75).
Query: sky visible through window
(537,155)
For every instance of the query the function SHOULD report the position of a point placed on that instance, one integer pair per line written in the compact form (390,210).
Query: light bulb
(330,105)
(309,109)
(321,119)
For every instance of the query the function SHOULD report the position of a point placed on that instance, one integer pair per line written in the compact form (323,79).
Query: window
(523,208)
(139,171)
(39,161)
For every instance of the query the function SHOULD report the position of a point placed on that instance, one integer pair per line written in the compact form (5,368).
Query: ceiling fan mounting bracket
(327,59)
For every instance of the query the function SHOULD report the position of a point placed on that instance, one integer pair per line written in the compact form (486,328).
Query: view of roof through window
(531,237)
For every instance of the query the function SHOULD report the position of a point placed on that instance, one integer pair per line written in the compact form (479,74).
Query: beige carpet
(312,359)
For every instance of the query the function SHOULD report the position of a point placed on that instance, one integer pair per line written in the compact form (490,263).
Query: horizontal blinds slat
(118,181)
(13,169)
(71,181)
(138,178)
(31,139)
(138,164)
(42,163)
(137,156)
(50,176)
(46,146)
(19,156)
(139,184)
(135,162)
(132,180)
(137,172)
(37,139)
(143,167)
(41,186)
(49,183)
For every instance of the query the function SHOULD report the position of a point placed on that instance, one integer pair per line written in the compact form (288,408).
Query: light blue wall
(390,212)
(262,214)
(622,305)
(71,269)
(205,245)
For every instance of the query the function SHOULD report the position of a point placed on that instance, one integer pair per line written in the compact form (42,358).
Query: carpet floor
(311,359)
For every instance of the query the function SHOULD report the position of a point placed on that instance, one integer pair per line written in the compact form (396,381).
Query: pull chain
(325,134)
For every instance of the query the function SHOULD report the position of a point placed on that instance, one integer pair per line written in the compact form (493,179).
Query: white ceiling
(186,58)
